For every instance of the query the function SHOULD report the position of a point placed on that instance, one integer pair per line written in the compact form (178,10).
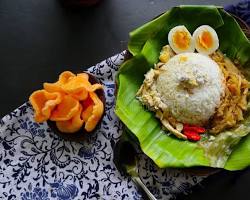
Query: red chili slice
(192,135)
(196,129)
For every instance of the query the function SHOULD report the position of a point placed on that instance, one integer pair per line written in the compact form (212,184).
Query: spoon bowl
(125,160)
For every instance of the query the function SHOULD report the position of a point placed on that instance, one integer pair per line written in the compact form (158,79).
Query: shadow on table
(222,185)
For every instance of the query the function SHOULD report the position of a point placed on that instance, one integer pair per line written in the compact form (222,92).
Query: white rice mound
(197,106)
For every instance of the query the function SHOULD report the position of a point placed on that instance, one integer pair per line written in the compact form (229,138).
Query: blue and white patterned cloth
(37,164)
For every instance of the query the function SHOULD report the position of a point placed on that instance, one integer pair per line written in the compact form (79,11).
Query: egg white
(215,40)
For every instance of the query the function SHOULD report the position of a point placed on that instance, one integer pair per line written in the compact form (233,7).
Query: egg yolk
(181,39)
(206,40)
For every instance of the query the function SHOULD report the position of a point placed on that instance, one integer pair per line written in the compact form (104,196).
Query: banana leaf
(231,148)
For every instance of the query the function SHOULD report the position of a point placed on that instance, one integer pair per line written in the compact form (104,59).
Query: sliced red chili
(192,135)
(197,129)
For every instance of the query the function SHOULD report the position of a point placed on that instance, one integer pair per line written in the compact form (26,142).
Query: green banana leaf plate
(230,149)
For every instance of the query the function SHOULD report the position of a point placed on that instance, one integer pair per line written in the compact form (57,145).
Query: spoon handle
(139,183)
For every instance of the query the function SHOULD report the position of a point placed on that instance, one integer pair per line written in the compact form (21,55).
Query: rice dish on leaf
(230,148)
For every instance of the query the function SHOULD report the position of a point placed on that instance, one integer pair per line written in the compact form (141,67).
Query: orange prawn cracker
(72,125)
(79,83)
(76,84)
(64,78)
(88,104)
(65,110)
(43,103)
(96,114)
(81,95)
(71,102)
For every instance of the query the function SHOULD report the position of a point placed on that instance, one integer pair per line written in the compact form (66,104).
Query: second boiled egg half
(180,40)
(205,39)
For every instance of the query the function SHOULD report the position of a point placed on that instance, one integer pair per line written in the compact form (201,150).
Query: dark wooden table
(41,38)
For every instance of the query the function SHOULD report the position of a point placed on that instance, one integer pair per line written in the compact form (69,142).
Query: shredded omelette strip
(234,102)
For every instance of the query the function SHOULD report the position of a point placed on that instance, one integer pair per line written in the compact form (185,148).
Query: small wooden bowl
(82,133)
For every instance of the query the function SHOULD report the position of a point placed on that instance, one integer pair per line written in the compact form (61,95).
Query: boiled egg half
(206,40)
(180,40)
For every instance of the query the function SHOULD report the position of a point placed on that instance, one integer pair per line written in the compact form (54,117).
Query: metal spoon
(126,162)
